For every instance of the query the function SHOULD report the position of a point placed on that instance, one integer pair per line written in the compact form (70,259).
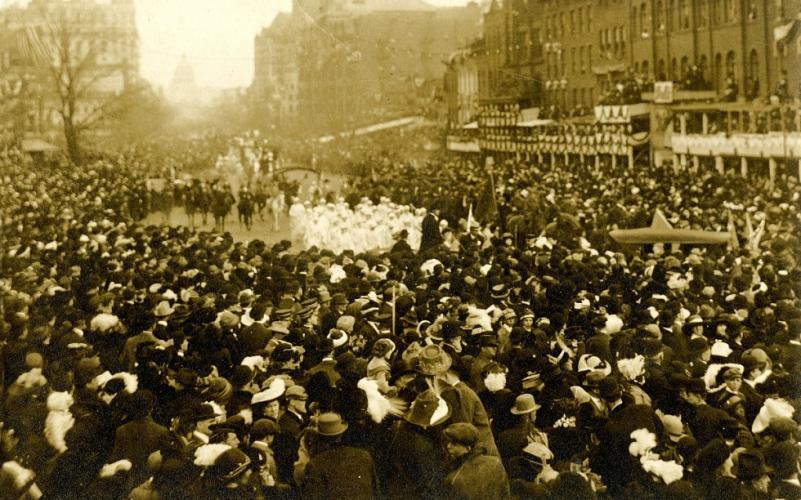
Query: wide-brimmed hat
(338,337)
(499,292)
(433,361)
(591,363)
(331,424)
(524,404)
(230,464)
(428,410)
(163,309)
(275,390)
(692,321)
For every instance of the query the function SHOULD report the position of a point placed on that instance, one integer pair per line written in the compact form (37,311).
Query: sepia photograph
(400,249)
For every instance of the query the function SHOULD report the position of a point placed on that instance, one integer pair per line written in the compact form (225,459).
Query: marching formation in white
(366,227)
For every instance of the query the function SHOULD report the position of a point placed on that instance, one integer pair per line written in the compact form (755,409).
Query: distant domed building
(183,87)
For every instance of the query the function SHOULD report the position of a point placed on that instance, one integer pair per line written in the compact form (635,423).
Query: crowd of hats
(107,320)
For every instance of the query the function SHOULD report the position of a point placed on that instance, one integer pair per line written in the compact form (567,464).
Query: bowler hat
(750,464)
(331,424)
(296,392)
(524,404)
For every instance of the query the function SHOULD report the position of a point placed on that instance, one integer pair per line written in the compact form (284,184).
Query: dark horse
(194,201)
(245,208)
(221,202)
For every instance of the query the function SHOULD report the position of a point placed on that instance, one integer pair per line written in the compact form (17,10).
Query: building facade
(358,62)
(275,88)
(581,49)
(461,86)
(103,41)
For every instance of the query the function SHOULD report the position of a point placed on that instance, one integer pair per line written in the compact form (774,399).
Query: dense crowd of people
(526,357)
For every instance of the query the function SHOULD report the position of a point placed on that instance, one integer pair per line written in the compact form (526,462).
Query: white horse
(277,207)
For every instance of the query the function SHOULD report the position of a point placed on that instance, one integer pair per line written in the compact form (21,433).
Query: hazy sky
(216,36)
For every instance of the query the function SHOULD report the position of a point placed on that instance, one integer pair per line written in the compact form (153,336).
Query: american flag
(33,48)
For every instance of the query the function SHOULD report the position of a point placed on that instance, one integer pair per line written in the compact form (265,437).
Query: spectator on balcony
(731,90)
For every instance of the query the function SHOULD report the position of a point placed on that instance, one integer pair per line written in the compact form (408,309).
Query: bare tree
(76,74)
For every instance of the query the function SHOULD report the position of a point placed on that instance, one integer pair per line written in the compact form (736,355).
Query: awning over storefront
(603,69)
(538,122)
(662,232)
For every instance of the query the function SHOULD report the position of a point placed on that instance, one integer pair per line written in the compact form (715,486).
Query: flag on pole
(33,48)
(756,238)
(749,228)
(486,206)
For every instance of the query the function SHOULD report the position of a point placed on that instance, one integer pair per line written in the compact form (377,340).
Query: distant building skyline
(216,36)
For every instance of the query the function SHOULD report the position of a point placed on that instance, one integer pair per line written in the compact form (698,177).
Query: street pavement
(262,227)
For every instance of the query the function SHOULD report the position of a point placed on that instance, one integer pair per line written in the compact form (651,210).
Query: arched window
(752,9)
(670,16)
(645,68)
(719,78)
(753,65)
(685,63)
(661,71)
(644,24)
(634,23)
(703,12)
(684,14)
(674,70)
(703,65)
(731,68)
(659,16)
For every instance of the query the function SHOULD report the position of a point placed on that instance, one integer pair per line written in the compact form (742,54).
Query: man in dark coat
(431,236)
(474,474)
(140,437)
(253,338)
(613,460)
(338,471)
(416,467)
(291,422)
(706,422)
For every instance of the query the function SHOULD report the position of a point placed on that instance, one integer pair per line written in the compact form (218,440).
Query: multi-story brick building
(588,45)
(461,87)
(510,64)
(723,38)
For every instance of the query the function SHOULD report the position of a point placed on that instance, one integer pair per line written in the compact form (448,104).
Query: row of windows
(613,40)
(574,22)
(673,15)
(580,62)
